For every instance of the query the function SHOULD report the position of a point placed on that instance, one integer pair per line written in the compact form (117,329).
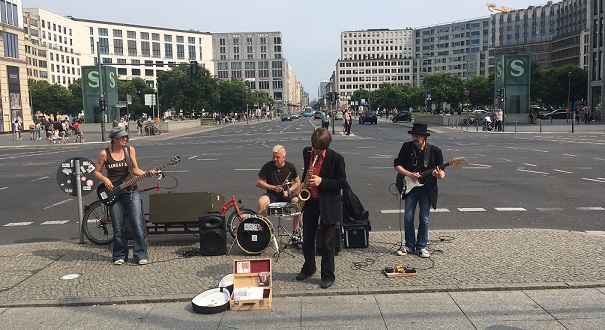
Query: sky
(310,28)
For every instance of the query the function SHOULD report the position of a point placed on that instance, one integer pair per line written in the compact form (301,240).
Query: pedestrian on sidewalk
(120,159)
(417,156)
(348,121)
(17,129)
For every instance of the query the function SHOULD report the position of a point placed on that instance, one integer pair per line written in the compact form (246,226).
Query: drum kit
(255,233)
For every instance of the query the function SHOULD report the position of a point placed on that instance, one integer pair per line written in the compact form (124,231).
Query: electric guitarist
(415,157)
(119,159)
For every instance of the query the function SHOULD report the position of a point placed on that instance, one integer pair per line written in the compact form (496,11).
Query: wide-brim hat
(419,129)
(117,132)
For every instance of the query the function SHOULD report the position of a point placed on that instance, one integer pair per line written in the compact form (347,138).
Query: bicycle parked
(151,129)
(97,223)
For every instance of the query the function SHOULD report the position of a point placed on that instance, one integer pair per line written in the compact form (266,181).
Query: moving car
(317,115)
(286,116)
(402,116)
(556,114)
(368,117)
(295,115)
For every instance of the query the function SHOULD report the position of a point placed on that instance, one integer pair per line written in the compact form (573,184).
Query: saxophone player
(272,177)
(324,184)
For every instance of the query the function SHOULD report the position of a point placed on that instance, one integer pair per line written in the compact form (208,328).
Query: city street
(529,180)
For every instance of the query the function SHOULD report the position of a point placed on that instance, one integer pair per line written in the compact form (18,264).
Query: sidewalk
(520,278)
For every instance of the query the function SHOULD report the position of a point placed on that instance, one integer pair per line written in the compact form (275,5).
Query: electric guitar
(109,197)
(405,184)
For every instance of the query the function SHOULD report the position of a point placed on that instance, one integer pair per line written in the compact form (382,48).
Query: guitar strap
(127,157)
(427,155)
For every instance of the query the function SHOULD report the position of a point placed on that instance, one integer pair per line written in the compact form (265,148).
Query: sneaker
(143,262)
(119,262)
(424,253)
(404,250)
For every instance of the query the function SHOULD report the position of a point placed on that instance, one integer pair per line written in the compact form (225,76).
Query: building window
(145,49)
(155,36)
(118,47)
(104,46)
(191,40)
(180,52)
(156,50)
(168,50)
(145,35)
(117,33)
(191,49)
(180,39)
(122,71)
(136,72)
(131,34)
(103,32)
(148,72)
(167,38)
(132,48)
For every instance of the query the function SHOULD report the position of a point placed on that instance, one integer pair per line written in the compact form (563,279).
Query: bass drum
(254,234)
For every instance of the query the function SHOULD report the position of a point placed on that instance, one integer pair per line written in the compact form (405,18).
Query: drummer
(280,179)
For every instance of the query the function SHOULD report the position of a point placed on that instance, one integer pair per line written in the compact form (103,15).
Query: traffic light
(102,105)
(194,68)
(499,94)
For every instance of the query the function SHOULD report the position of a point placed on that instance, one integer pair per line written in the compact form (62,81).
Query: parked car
(286,116)
(402,116)
(556,114)
(368,117)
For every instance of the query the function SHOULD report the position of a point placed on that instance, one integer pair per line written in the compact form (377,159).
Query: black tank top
(116,168)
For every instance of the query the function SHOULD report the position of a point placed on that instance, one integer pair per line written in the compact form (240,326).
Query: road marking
(55,222)
(599,159)
(444,210)
(570,155)
(366,147)
(528,171)
(509,209)
(471,209)
(554,169)
(209,159)
(3,188)
(475,165)
(380,157)
(540,150)
(380,167)
(601,181)
(594,208)
(17,224)
(177,171)
(42,178)
(65,201)
(192,157)
(532,165)
(546,209)
(601,178)
(247,169)
(504,159)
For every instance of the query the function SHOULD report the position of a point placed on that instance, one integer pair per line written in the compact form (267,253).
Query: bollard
(540,125)
(516,127)
(477,125)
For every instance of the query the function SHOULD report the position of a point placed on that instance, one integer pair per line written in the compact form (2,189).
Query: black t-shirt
(276,176)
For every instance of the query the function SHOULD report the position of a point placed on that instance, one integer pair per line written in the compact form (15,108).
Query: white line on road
(55,222)
(594,208)
(599,159)
(537,172)
(209,159)
(403,211)
(477,165)
(380,167)
(509,209)
(192,157)
(247,169)
(3,188)
(504,159)
(42,178)
(546,209)
(538,150)
(366,147)
(65,201)
(16,224)
(471,209)
(601,178)
(532,165)
(554,169)
(381,157)
(177,171)
(570,155)
(588,179)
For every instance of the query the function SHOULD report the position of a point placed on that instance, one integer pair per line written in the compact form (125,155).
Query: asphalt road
(511,181)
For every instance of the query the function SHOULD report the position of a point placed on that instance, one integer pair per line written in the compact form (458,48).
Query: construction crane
(493,7)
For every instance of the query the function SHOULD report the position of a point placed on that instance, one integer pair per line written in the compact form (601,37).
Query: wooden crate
(252,285)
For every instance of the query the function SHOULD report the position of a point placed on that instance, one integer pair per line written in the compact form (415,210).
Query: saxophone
(304,193)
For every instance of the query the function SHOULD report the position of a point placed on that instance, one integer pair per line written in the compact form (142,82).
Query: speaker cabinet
(213,235)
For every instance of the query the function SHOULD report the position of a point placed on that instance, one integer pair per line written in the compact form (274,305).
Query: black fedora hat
(419,129)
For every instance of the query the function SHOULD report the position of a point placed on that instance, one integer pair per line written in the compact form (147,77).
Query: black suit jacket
(334,178)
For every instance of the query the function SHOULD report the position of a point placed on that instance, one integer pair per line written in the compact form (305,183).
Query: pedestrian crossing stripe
(55,222)
(508,209)
(597,208)
(16,224)
(471,209)
(500,209)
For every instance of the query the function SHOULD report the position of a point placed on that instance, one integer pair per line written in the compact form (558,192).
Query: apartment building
(370,58)
(458,48)
(14,93)
(552,33)
(596,60)
(257,58)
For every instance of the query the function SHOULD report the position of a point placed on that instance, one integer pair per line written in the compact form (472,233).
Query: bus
(308,112)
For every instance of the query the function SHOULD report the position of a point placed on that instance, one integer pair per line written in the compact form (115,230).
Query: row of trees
(549,87)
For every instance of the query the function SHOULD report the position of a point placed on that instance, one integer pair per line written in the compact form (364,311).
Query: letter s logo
(93,79)
(499,69)
(517,69)
(112,80)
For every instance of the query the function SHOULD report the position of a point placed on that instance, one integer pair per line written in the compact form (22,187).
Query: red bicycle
(97,223)
(239,213)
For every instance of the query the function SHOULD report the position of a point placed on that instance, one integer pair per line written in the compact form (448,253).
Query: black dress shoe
(326,284)
(302,276)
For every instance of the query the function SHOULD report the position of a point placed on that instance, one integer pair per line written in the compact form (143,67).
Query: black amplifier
(355,235)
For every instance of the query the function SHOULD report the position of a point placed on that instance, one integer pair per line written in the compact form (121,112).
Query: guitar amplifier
(356,235)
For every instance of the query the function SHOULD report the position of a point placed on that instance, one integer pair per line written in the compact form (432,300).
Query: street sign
(428,97)
(66,176)
(121,104)
(150,99)
(129,99)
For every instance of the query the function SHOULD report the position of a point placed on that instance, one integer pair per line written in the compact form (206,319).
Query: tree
(480,91)
(51,99)
(444,87)
(136,88)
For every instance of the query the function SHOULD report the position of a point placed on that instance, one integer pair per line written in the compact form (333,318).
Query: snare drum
(278,208)
(254,234)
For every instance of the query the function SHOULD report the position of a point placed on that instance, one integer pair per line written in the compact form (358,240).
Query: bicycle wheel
(156,131)
(97,224)
(232,224)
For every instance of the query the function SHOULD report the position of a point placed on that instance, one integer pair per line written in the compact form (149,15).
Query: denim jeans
(131,201)
(420,196)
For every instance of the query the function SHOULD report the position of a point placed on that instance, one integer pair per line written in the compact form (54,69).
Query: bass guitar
(405,184)
(109,197)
